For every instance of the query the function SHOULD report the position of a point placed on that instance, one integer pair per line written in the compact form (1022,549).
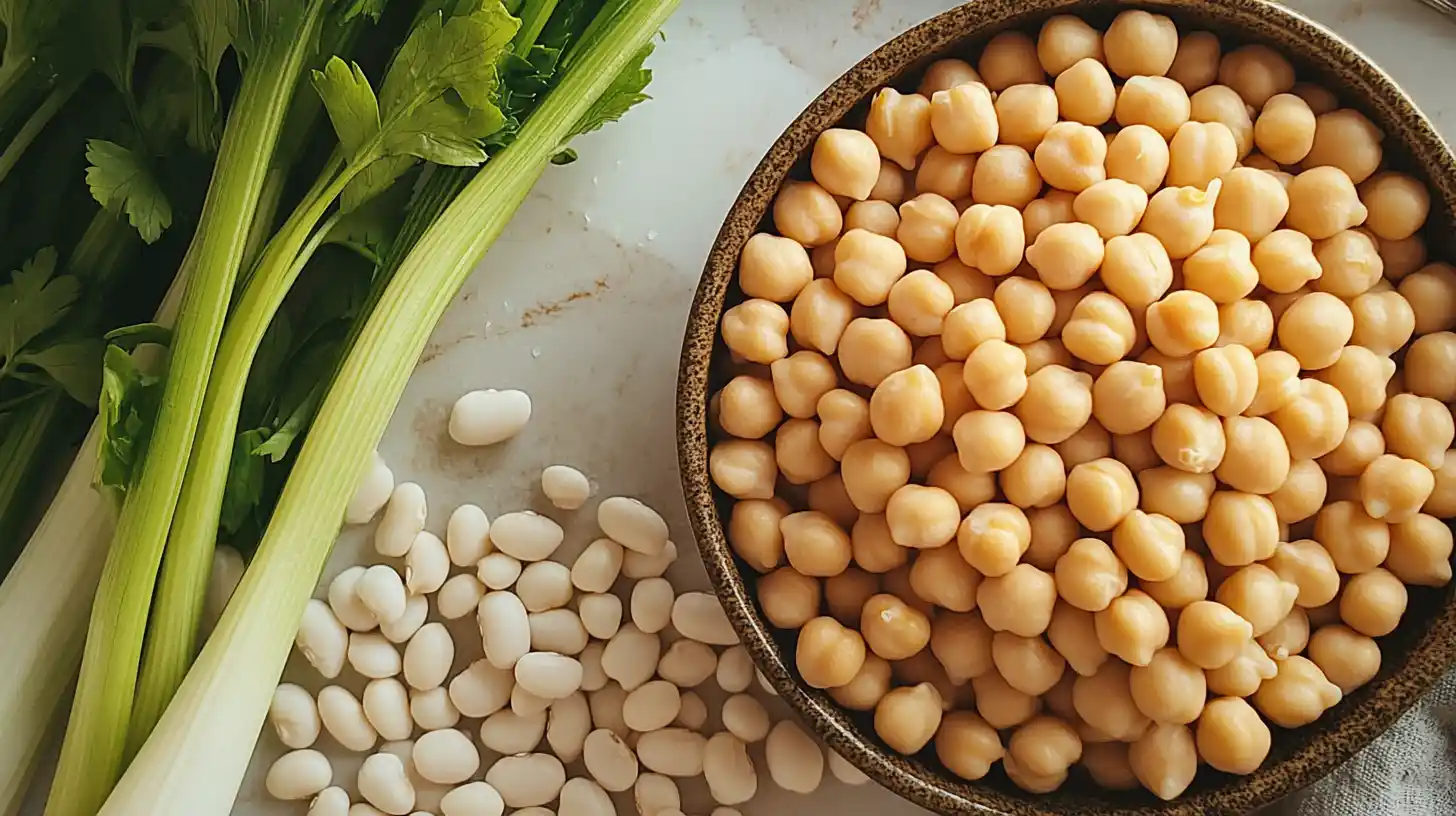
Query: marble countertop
(583,301)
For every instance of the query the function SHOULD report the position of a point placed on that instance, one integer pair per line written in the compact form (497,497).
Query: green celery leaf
(445,132)
(372,9)
(350,102)
(370,226)
(459,53)
(121,181)
(34,301)
(129,337)
(373,180)
(75,365)
(625,91)
(244,481)
(130,399)
(276,448)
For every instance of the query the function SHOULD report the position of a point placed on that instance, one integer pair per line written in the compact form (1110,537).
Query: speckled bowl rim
(1385,699)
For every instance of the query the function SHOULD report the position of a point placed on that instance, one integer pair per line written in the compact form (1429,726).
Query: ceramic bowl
(1413,657)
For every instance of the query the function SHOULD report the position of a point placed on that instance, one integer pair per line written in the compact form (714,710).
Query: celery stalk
(194,761)
(92,757)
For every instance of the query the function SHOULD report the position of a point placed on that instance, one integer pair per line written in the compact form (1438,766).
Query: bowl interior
(1413,657)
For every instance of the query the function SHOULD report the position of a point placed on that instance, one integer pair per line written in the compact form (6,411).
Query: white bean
(386,706)
(525,703)
(609,761)
(331,801)
(482,689)
(728,770)
(527,780)
(692,711)
(794,760)
(530,811)
(598,566)
(373,656)
(687,664)
(384,784)
(565,487)
(637,566)
(343,717)
(428,657)
(376,483)
(488,417)
(655,794)
(548,674)
(322,639)
(631,656)
(299,775)
(427,793)
(526,535)
(567,723)
(583,797)
(401,629)
(504,629)
(601,614)
(459,596)
(365,809)
(700,616)
(345,602)
(498,571)
(467,535)
(672,752)
(592,676)
(652,604)
(735,670)
(632,524)
(294,716)
(651,706)
(557,630)
(404,518)
(426,565)
(843,771)
(382,592)
(544,585)
(746,718)
(507,732)
(432,709)
(606,709)
(446,757)
(222,582)
(473,799)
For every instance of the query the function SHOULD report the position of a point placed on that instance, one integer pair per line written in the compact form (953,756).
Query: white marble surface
(583,301)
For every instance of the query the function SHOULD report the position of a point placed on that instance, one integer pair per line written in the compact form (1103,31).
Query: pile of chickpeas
(1090,407)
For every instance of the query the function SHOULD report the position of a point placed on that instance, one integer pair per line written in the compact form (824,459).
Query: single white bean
(593,678)
(655,794)
(527,780)
(222,582)
(322,639)
(498,571)
(568,721)
(343,717)
(376,483)
(636,565)
(606,709)
(386,705)
(692,712)
(401,629)
(526,535)
(473,799)
(427,793)
(331,801)
(557,630)
(544,585)
(609,761)
(526,703)
(384,784)
(507,732)
(404,518)
(364,809)
(299,775)
(382,592)
(505,629)
(428,657)
(459,596)
(426,565)
(598,566)
(840,768)
(687,663)
(446,757)
(467,536)
(601,614)
(432,709)
(583,797)
(700,616)
(548,674)
(632,524)
(482,689)
(652,604)
(735,670)
(651,706)
(794,760)
(746,718)
(373,656)
(728,770)
(345,602)
(565,487)
(531,811)
(488,417)
(294,716)
(672,752)
(631,657)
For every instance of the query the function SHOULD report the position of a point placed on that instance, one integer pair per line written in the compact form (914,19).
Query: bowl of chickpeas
(1064,412)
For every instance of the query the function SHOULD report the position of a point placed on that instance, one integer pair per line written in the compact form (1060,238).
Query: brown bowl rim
(1386,698)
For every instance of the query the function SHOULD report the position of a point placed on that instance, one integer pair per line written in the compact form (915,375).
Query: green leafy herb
(75,365)
(130,399)
(625,92)
(35,300)
(122,182)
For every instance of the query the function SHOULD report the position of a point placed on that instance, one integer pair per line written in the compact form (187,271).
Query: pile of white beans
(583,681)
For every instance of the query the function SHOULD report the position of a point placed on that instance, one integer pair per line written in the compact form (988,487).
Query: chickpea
(1066,256)
(807,213)
(774,268)
(829,497)
(1185,586)
(1345,657)
(1323,201)
(1074,635)
(1001,705)
(1418,428)
(1101,493)
(1005,175)
(967,283)
(1036,479)
(1227,380)
(995,374)
(1165,760)
(1240,528)
(953,393)
(1308,565)
(1258,595)
(828,655)
(1285,128)
(967,745)
(1442,503)
(1257,73)
(1054,208)
(1361,376)
(789,598)
(800,380)
(1085,93)
(970,489)
(880,217)
(1297,695)
(1383,322)
(1057,403)
(1252,203)
(1431,294)
(744,469)
(1320,99)
(962,644)
(1315,329)
(1394,489)
(814,544)
(941,577)
(757,330)
(798,453)
(1195,66)
(1247,323)
(1108,765)
(890,184)
(993,536)
(1046,352)
(1070,156)
(867,265)
(1288,637)
(1420,551)
(1170,689)
(1278,385)
(899,125)
(1019,601)
(990,238)
(1132,627)
(1373,603)
(1181,218)
(1177,494)
(871,349)
(845,162)
(1220,103)
(1155,101)
(1090,442)
(1027,307)
(963,118)
(1040,752)
(1150,545)
(1136,269)
(747,407)
(893,629)
(868,686)
(1064,40)
(944,74)
(1128,396)
(926,229)
(1138,154)
(1028,665)
(820,315)
(906,406)
(1200,152)
(1089,576)
(1100,330)
(753,532)
(1231,737)
(1010,58)
(1025,113)
(896,583)
(1178,382)
(1242,675)
(1256,459)
(920,301)
(1189,438)
(844,418)
(906,718)
(1279,303)
(1222,267)
(873,470)
(1211,635)
(922,517)
(988,441)
(873,548)
(1104,701)
(1350,261)
(1139,43)
(1428,366)
(1347,140)
(1402,257)
(969,325)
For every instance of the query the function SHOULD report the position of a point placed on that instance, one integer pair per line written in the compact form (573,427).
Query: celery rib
(33,126)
